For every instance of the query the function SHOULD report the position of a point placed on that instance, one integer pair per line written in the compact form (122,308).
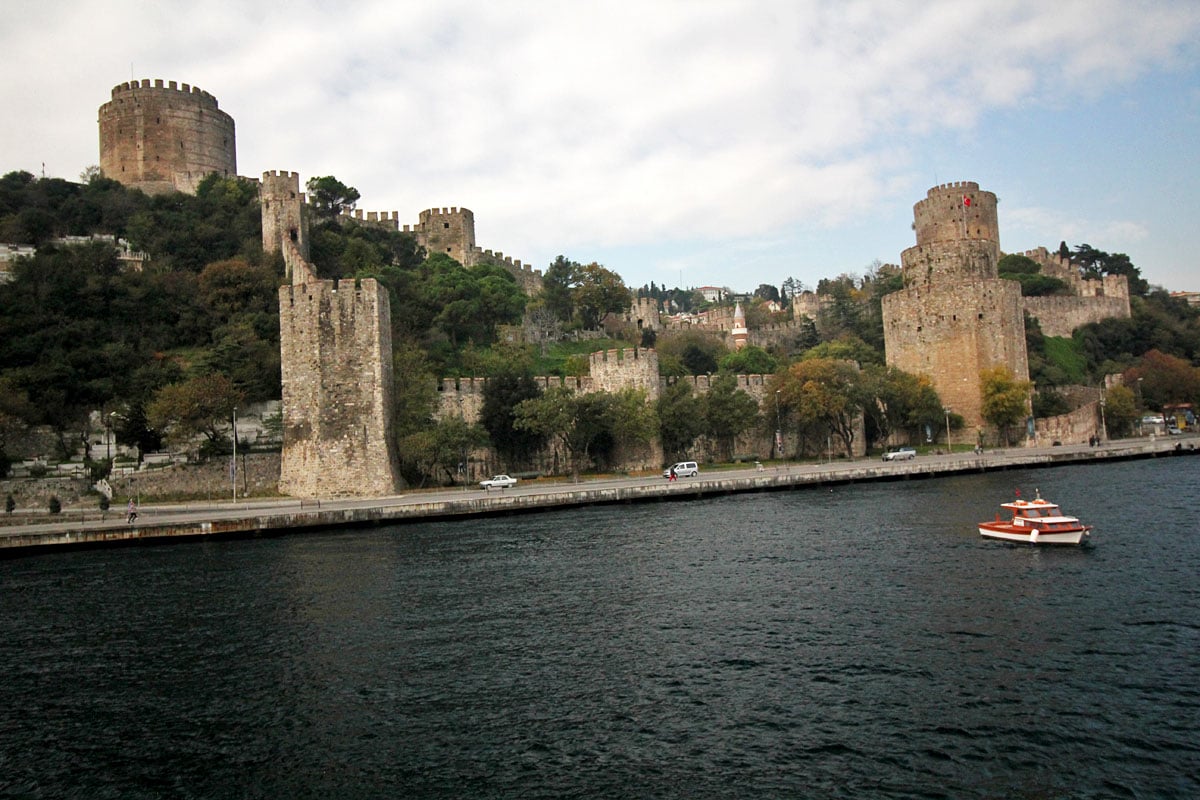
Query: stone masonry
(165,138)
(336,353)
(956,317)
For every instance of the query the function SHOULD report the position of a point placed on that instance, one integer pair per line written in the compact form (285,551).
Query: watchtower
(447,230)
(283,217)
(162,138)
(955,317)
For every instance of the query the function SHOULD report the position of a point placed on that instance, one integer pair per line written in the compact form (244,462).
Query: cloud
(571,125)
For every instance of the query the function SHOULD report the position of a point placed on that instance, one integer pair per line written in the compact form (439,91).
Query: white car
(498,482)
(900,454)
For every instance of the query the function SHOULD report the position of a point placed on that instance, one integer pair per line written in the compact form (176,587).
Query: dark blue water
(864,642)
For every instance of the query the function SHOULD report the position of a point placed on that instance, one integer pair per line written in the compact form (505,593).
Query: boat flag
(1018,491)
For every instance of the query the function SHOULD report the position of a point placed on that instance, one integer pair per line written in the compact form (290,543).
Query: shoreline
(263,517)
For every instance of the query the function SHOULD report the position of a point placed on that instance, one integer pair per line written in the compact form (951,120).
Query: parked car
(900,454)
(684,469)
(498,482)
(1174,430)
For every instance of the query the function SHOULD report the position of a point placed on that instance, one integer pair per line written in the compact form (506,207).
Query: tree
(201,406)
(691,352)
(577,421)
(501,395)
(846,347)
(680,419)
(443,448)
(1165,379)
(1005,399)
(767,291)
(750,360)
(599,291)
(895,400)
(329,197)
(824,392)
(1120,407)
(728,412)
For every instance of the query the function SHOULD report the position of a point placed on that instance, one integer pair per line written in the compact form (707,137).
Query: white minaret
(740,334)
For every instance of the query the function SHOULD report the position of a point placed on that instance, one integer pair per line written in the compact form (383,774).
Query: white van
(684,469)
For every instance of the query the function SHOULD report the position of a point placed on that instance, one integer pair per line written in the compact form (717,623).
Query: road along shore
(269,517)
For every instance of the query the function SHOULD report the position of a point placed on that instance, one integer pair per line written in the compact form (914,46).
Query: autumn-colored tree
(1164,379)
(824,392)
(1005,399)
(1120,411)
(201,406)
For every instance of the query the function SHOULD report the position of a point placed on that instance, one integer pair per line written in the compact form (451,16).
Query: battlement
(953,187)
(160,136)
(158,85)
(621,355)
(955,212)
(280,173)
(429,213)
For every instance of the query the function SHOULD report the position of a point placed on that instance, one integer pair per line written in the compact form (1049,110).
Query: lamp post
(778,428)
(233,465)
(1103,421)
(946,411)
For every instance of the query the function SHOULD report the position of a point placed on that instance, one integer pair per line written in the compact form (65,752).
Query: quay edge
(15,540)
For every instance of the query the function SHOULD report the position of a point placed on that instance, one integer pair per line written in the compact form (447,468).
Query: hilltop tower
(955,317)
(447,230)
(283,217)
(335,343)
(164,138)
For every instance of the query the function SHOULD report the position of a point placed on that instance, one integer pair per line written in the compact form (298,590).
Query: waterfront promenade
(254,517)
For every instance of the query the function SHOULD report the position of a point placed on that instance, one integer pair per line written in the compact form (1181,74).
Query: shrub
(104,502)
(55,504)
(9,504)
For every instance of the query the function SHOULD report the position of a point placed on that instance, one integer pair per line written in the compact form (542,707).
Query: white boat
(1035,521)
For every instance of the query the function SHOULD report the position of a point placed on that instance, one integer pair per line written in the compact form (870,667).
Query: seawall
(258,518)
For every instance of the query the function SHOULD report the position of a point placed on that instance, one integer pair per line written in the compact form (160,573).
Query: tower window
(446,225)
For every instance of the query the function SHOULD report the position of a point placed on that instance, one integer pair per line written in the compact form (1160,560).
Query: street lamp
(1103,421)
(946,411)
(778,428)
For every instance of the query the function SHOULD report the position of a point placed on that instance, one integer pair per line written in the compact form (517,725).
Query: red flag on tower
(966,200)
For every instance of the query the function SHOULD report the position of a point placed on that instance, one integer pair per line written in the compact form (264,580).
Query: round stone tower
(164,138)
(958,236)
(955,317)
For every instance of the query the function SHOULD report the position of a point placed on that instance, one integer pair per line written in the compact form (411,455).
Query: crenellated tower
(335,343)
(165,137)
(955,317)
(447,230)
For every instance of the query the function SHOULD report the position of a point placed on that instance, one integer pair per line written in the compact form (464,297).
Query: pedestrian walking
(131,512)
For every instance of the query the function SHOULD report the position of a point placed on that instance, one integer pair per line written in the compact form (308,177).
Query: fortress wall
(952,333)
(1077,427)
(612,370)
(1059,315)
(165,137)
(335,343)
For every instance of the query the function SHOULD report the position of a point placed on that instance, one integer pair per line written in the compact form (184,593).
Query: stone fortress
(162,138)
(336,358)
(954,317)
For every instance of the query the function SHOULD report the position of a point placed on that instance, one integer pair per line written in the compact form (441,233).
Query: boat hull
(1015,533)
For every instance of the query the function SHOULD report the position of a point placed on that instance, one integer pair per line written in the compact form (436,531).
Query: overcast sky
(686,143)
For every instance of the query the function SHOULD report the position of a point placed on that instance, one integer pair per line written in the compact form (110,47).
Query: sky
(702,142)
